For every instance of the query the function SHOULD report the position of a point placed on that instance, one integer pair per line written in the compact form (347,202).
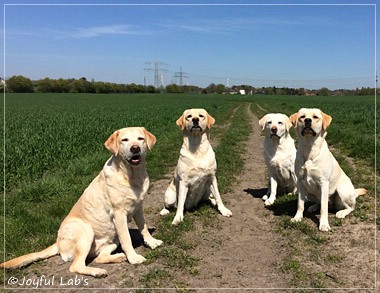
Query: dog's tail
(24,260)
(360,191)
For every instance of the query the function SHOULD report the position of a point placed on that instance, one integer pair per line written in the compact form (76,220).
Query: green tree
(220,88)
(173,88)
(20,84)
(323,92)
(45,85)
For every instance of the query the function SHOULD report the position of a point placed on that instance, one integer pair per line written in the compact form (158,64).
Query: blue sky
(309,46)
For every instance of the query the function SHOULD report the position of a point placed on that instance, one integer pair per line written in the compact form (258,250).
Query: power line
(181,76)
(158,72)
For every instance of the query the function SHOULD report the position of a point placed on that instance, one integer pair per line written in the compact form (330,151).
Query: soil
(241,252)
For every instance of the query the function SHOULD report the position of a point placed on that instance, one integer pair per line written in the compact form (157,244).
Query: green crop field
(54,145)
(54,148)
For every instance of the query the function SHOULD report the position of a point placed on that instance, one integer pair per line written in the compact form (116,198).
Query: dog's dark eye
(201,116)
(280,123)
(315,117)
(269,122)
(125,139)
(303,116)
(140,138)
(189,116)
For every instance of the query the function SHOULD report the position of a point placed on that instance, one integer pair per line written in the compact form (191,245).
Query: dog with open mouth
(98,222)
(279,155)
(195,175)
(320,179)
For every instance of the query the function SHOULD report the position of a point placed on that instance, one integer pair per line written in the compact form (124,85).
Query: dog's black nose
(308,122)
(135,149)
(195,121)
(274,129)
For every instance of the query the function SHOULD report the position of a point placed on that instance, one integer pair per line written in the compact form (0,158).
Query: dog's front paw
(153,243)
(343,213)
(325,227)
(136,259)
(225,212)
(296,219)
(265,197)
(177,219)
(269,202)
(164,212)
(98,273)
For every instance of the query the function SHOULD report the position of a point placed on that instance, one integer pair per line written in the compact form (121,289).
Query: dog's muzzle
(273,132)
(135,159)
(195,125)
(307,130)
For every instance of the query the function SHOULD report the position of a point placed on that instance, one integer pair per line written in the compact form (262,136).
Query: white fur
(320,178)
(279,154)
(194,178)
(98,222)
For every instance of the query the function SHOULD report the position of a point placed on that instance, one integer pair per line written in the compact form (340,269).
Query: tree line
(22,84)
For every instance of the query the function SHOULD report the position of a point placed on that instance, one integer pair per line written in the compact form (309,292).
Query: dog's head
(195,121)
(131,144)
(310,122)
(275,125)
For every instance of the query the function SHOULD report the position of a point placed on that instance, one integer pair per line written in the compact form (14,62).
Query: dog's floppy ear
(112,143)
(288,123)
(293,119)
(262,122)
(181,122)
(150,138)
(326,120)
(210,121)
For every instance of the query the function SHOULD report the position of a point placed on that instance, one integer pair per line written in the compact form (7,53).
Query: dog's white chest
(310,174)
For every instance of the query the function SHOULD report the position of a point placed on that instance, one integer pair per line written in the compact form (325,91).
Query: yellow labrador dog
(194,178)
(98,222)
(279,154)
(320,178)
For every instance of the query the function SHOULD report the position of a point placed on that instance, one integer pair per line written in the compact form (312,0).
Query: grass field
(54,146)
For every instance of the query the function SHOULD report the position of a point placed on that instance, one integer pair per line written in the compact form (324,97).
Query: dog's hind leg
(345,200)
(105,255)
(75,239)
(170,200)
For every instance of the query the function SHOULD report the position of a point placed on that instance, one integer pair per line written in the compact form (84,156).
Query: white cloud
(105,30)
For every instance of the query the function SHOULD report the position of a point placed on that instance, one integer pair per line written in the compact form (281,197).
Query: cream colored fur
(194,178)
(320,178)
(98,222)
(279,154)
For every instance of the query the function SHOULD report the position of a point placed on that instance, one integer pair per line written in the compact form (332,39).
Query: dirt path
(244,252)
